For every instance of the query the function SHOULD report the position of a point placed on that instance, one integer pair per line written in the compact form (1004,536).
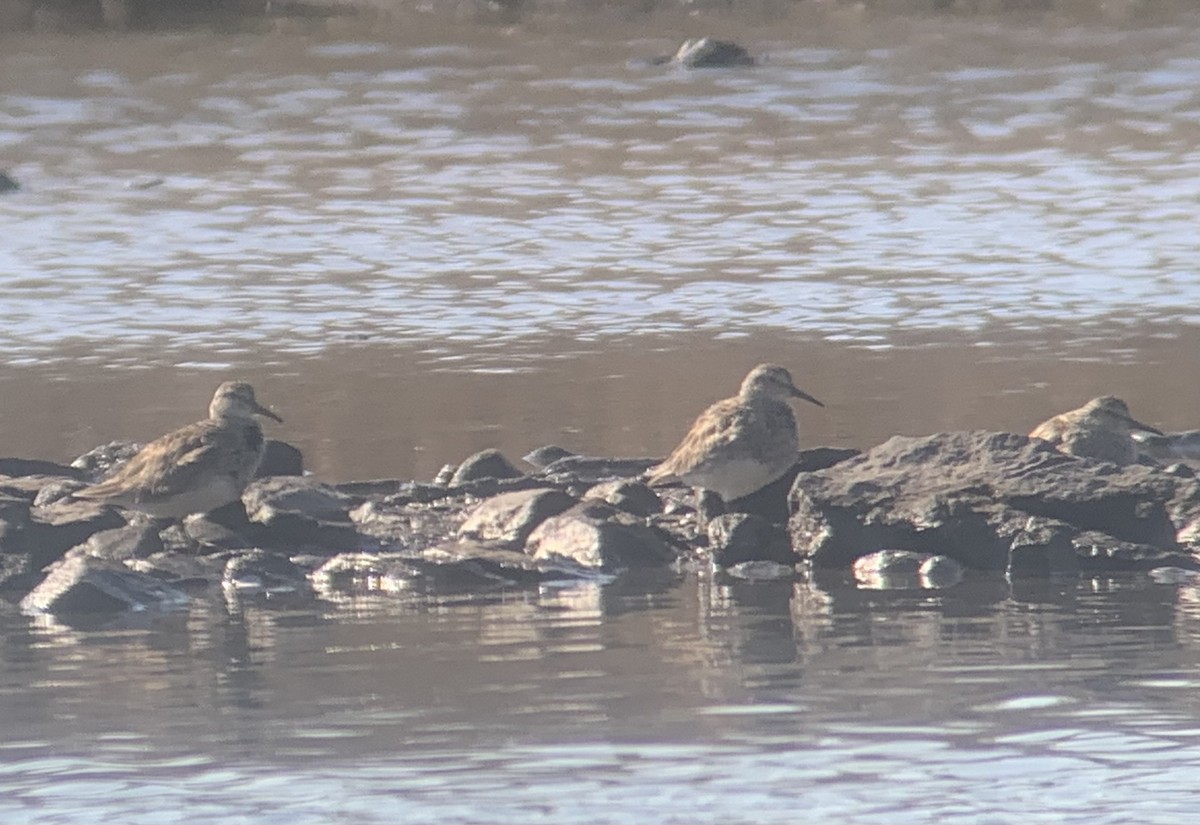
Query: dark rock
(589,469)
(18,467)
(445,475)
(186,572)
(84,584)
(55,529)
(132,541)
(101,461)
(633,497)
(263,572)
(220,530)
(372,488)
(280,459)
(17,574)
(30,487)
(596,536)
(484,464)
(543,457)
(469,564)
(7,183)
(300,512)
(406,526)
(735,538)
(509,518)
(266,499)
(707,53)
(987,500)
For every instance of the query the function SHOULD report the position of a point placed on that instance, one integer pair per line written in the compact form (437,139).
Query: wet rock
(8,183)
(55,529)
(543,457)
(761,571)
(597,536)
(735,538)
(707,53)
(220,530)
(445,475)
(406,526)
(987,500)
(84,584)
(509,518)
(903,569)
(300,512)
(263,572)
(131,541)
(280,459)
(356,573)
(371,488)
(484,464)
(469,564)
(937,572)
(634,497)
(190,573)
(17,574)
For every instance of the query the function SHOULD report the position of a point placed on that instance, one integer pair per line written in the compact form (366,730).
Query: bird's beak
(261,410)
(1138,425)
(802,394)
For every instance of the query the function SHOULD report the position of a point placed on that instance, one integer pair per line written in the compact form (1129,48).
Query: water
(423,238)
(688,700)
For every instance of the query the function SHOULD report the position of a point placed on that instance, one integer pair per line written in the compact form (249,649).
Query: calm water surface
(679,701)
(422,240)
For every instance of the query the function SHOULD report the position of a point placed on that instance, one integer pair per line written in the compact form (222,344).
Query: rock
(280,459)
(101,461)
(903,569)
(991,501)
(761,571)
(594,536)
(132,541)
(18,467)
(937,572)
(445,475)
(590,469)
(484,464)
(56,489)
(634,497)
(707,53)
(509,518)
(55,529)
(84,584)
(543,457)
(735,538)
(300,512)
(220,530)
(263,572)
(7,183)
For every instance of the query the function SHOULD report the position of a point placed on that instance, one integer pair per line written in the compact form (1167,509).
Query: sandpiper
(196,468)
(741,444)
(1100,429)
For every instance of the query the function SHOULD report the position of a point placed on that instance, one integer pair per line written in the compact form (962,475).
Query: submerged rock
(904,569)
(707,53)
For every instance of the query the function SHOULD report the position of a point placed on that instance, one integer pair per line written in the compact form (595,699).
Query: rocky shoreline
(911,512)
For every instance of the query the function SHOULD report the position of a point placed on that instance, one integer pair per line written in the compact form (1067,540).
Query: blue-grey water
(423,237)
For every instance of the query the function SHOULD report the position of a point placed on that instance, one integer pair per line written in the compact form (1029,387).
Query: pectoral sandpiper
(196,468)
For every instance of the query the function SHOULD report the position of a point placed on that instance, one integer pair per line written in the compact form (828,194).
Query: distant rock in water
(706,53)
(7,184)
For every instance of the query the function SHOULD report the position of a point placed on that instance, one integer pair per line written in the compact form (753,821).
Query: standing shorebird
(1100,429)
(196,468)
(741,444)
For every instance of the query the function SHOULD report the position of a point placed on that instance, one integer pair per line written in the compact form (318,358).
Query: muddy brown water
(422,240)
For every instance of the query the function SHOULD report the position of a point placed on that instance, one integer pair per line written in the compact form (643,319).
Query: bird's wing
(715,427)
(165,466)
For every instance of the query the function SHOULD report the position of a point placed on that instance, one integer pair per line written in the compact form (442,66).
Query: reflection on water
(423,241)
(645,701)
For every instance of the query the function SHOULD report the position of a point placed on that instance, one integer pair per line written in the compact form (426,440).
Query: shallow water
(676,701)
(423,240)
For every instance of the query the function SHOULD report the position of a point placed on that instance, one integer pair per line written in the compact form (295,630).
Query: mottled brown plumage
(1099,429)
(740,444)
(196,468)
